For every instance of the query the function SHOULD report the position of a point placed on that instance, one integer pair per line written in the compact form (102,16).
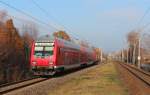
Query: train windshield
(43,49)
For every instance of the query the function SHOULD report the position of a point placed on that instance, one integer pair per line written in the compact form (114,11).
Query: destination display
(44,44)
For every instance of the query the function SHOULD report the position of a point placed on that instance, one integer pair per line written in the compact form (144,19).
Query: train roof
(49,38)
(46,38)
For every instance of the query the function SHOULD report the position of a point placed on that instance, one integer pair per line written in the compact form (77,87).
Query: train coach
(50,55)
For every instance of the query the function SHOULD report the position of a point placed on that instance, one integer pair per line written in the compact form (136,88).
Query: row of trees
(14,49)
(133,42)
(138,51)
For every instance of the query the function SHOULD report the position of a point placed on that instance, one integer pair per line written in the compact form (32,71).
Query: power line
(42,9)
(142,18)
(26,14)
(23,20)
(48,15)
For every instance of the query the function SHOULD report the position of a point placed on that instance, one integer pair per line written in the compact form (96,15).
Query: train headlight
(33,63)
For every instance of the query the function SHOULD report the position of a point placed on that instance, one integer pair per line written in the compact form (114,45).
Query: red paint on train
(56,55)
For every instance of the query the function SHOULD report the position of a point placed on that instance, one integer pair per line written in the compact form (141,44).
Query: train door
(77,58)
(66,62)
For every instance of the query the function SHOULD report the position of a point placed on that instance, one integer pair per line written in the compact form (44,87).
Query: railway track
(138,73)
(8,88)
(5,88)
(8,84)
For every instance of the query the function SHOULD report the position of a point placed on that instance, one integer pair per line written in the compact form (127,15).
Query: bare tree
(3,16)
(132,39)
(146,42)
(30,29)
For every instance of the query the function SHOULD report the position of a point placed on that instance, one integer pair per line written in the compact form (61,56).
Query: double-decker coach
(50,55)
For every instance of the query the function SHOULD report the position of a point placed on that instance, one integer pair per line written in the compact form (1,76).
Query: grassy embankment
(104,80)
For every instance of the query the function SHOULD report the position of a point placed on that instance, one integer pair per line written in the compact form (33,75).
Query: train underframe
(43,71)
(52,70)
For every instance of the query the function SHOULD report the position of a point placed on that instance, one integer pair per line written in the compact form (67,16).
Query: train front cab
(42,58)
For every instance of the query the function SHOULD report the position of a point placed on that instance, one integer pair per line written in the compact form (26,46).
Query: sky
(103,23)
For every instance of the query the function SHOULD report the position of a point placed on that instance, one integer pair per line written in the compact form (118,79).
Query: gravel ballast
(43,88)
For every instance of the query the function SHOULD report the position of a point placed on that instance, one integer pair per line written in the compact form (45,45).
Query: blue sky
(103,23)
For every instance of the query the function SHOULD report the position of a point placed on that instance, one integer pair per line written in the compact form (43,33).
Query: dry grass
(104,80)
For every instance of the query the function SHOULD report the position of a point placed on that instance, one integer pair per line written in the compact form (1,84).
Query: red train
(51,55)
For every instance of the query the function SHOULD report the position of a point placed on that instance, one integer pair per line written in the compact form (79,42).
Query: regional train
(50,55)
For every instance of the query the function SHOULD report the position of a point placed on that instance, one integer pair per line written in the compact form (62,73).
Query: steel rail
(143,76)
